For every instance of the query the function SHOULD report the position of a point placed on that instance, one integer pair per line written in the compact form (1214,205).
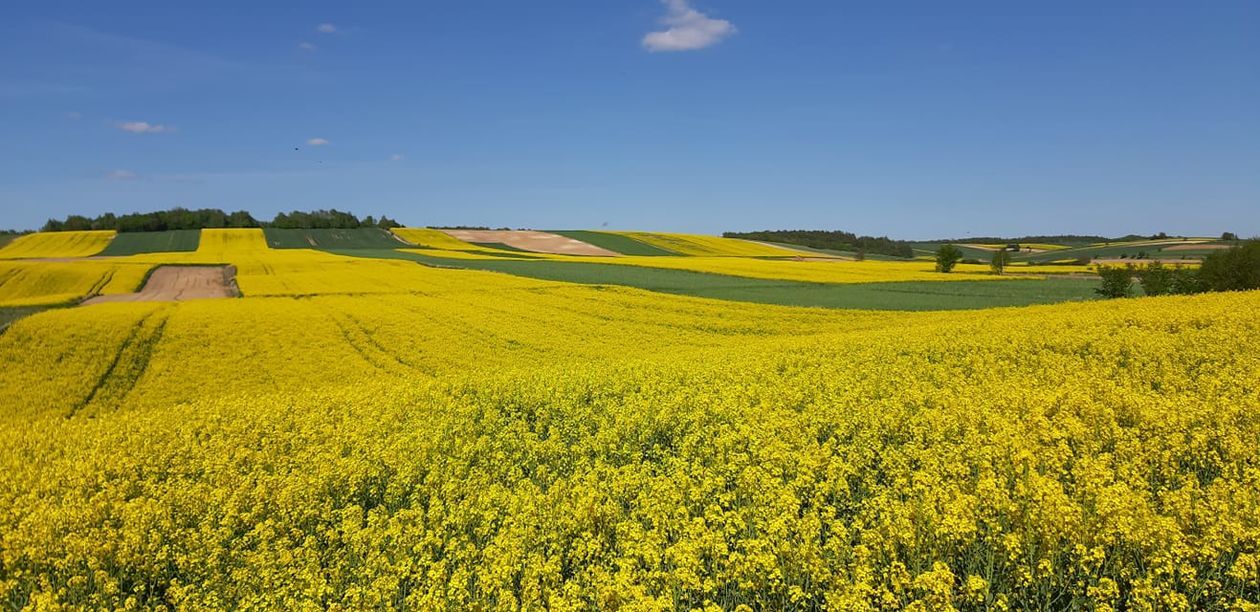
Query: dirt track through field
(179,283)
(529,240)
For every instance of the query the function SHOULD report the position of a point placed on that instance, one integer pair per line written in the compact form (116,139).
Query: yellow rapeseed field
(263,271)
(695,244)
(434,239)
(28,283)
(498,443)
(57,244)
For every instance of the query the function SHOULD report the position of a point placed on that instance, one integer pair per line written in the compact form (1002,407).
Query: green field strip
(917,295)
(616,243)
(327,239)
(6,239)
(499,246)
(1127,249)
(135,243)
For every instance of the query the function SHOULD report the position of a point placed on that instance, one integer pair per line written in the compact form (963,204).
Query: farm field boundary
(913,295)
(179,283)
(616,243)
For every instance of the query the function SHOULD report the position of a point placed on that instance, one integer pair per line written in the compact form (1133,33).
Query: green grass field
(929,249)
(361,238)
(614,242)
(499,246)
(133,243)
(929,295)
(6,239)
(1127,249)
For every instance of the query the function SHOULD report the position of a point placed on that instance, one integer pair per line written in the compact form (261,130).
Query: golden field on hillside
(374,433)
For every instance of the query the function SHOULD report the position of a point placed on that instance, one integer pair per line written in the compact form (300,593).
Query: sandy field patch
(178,283)
(529,240)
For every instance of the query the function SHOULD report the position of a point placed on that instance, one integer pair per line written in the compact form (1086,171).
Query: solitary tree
(947,257)
(1001,258)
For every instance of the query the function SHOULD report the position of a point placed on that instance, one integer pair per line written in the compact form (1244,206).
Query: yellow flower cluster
(29,283)
(57,244)
(695,244)
(499,443)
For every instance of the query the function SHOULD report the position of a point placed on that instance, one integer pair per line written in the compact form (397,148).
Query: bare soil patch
(529,240)
(179,283)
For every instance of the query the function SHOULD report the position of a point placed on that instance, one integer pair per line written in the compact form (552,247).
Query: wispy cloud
(686,29)
(308,47)
(74,115)
(396,157)
(142,127)
(326,28)
(122,175)
(317,142)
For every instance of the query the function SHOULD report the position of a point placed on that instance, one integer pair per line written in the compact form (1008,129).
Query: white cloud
(142,127)
(396,157)
(326,28)
(317,142)
(74,115)
(122,175)
(688,29)
(308,47)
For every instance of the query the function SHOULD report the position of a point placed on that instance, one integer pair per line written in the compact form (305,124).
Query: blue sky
(912,119)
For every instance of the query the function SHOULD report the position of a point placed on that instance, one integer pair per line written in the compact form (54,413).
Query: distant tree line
(1234,269)
(328,219)
(185,219)
(833,240)
(1069,239)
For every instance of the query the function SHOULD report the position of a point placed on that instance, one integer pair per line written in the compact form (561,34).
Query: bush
(947,257)
(1233,269)
(1117,281)
(999,262)
(1155,278)
(1187,281)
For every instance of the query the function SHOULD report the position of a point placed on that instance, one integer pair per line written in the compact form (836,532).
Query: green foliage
(156,221)
(184,219)
(947,257)
(1066,239)
(319,219)
(833,240)
(1001,258)
(1117,281)
(1233,269)
(1155,278)
(1187,281)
